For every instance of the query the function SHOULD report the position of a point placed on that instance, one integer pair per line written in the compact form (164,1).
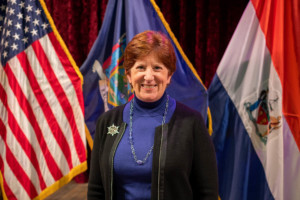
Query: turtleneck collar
(150,105)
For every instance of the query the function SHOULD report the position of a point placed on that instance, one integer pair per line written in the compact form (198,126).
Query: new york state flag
(105,84)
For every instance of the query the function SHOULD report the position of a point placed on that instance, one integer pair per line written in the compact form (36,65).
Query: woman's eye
(157,68)
(140,67)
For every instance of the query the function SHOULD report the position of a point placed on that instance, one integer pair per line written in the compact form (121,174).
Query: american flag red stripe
(42,131)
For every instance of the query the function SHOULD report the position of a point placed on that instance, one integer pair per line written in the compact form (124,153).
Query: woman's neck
(150,105)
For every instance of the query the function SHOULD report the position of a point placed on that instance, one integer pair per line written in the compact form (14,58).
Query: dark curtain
(202,27)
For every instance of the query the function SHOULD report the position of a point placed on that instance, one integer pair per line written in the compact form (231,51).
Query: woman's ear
(129,79)
(169,79)
(128,75)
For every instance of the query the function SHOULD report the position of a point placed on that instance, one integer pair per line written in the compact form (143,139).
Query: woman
(152,147)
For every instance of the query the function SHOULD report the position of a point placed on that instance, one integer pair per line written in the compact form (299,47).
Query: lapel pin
(112,130)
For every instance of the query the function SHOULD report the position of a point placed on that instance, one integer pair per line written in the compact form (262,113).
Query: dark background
(203,28)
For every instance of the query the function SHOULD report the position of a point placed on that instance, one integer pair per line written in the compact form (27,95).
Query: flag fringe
(89,137)
(2,187)
(63,181)
(54,187)
(210,128)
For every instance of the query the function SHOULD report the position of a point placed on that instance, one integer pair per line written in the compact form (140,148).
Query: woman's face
(149,78)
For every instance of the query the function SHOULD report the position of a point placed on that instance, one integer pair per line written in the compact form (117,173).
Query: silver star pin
(112,130)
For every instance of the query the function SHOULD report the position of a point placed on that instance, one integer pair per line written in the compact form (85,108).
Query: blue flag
(105,83)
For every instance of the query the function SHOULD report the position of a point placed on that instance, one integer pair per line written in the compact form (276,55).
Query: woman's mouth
(148,86)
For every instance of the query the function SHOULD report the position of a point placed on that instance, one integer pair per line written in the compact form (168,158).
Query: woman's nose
(149,74)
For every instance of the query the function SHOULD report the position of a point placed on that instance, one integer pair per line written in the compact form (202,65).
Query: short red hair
(147,42)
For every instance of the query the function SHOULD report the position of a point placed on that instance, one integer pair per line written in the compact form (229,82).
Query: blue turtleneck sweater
(133,181)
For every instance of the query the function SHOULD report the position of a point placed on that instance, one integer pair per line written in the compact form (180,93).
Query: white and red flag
(254,100)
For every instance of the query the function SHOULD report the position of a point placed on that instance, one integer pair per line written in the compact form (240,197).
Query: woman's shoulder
(185,111)
(190,120)
(112,114)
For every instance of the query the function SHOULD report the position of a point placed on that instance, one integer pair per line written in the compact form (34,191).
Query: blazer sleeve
(204,170)
(95,185)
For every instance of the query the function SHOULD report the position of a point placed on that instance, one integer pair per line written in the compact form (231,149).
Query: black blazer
(184,162)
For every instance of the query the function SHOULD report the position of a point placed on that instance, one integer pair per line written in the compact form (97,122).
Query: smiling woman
(160,148)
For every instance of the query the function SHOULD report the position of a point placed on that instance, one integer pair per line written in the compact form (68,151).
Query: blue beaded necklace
(140,162)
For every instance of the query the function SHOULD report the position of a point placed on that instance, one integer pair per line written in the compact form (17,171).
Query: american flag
(42,130)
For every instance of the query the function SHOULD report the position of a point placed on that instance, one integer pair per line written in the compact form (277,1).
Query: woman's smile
(148,86)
